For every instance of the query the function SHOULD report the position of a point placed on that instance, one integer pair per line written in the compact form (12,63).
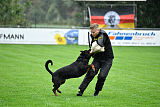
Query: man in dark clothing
(102,60)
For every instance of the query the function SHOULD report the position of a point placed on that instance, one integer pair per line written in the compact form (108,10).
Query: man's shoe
(96,93)
(80,93)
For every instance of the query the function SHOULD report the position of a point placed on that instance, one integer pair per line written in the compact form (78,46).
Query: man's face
(94,32)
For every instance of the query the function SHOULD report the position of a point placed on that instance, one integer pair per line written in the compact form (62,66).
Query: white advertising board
(127,37)
(38,36)
(77,36)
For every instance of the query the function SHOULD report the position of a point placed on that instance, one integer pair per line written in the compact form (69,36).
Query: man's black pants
(104,66)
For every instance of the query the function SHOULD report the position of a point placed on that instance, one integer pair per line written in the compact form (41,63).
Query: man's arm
(92,39)
(105,35)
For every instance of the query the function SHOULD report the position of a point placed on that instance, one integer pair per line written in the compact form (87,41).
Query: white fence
(77,36)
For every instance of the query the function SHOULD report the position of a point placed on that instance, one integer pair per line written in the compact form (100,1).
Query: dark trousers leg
(89,76)
(105,67)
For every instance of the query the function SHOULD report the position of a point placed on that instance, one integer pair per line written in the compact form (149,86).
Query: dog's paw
(55,93)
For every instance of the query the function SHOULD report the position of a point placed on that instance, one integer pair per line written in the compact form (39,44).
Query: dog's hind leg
(59,91)
(55,93)
(62,82)
(55,89)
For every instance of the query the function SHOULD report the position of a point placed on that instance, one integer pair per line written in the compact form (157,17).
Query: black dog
(74,70)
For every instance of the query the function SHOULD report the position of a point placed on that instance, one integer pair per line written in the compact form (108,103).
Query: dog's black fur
(74,70)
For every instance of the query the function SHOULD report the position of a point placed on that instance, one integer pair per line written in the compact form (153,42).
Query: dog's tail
(46,65)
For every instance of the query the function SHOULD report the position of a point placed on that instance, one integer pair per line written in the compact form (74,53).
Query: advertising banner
(134,37)
(77,36)
(127,37)
(38,36)
(113,16)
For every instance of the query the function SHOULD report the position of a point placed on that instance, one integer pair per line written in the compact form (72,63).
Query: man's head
(94,29)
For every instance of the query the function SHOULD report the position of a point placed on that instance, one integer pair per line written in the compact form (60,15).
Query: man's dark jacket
(103,40)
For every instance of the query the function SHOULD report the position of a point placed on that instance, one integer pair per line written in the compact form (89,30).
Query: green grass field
(133,81)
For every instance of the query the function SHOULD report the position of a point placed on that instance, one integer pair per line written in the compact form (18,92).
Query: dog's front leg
(88,68)
(91,67)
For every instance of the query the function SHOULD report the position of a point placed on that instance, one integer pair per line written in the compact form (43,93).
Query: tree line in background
(148,14)
(12,12)
(65,12)
(60,12)
(28,12)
